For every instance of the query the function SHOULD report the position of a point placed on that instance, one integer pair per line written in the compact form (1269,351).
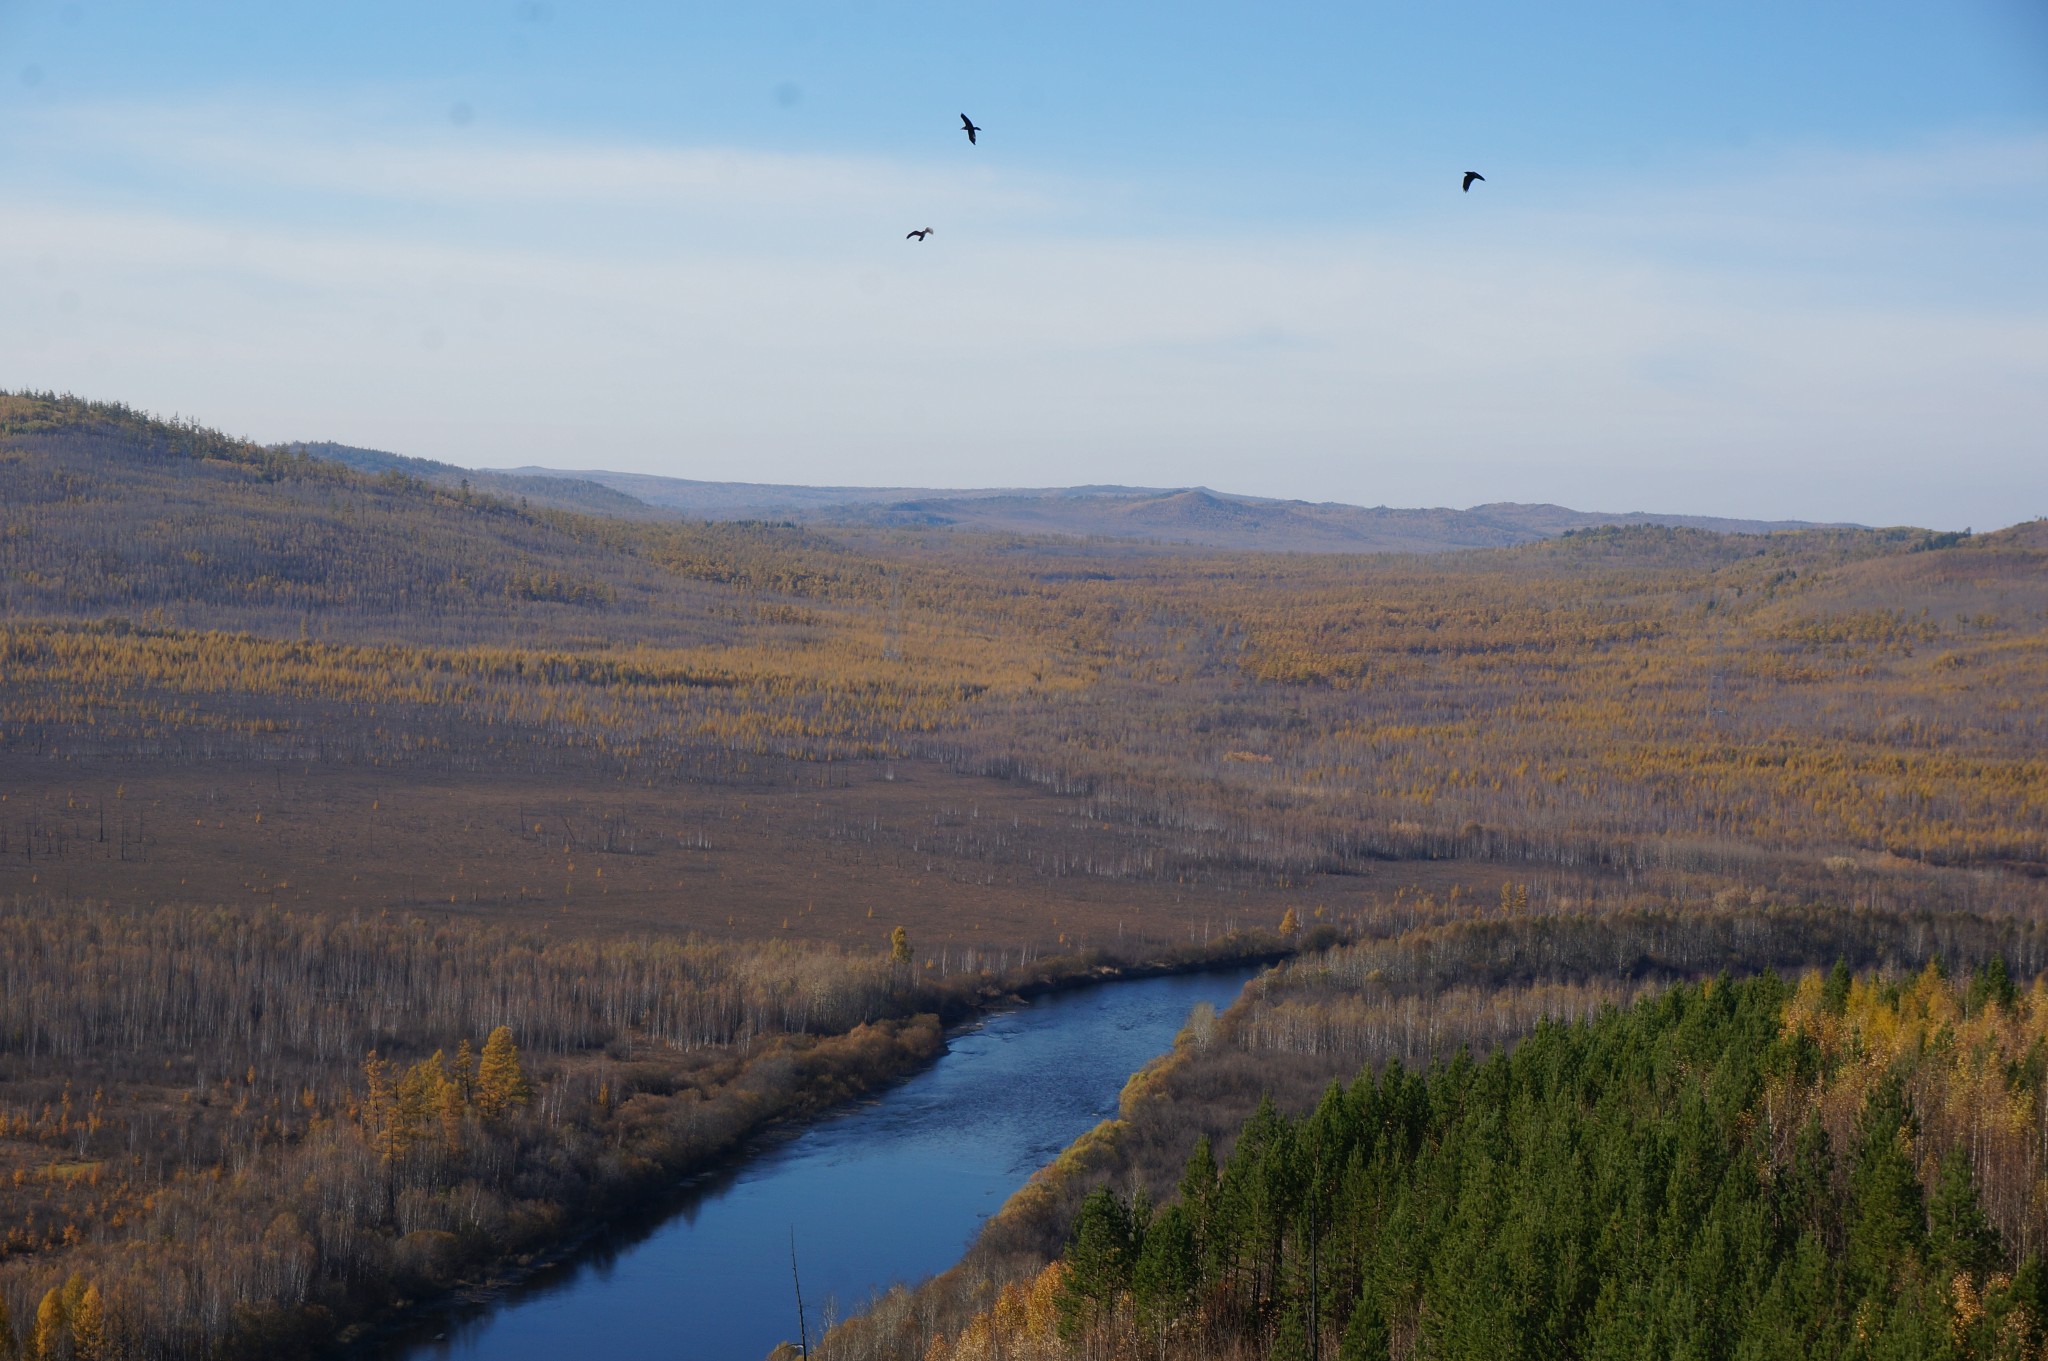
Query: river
(892,1190)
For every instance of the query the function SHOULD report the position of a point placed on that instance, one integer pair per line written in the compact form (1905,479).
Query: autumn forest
(395,877)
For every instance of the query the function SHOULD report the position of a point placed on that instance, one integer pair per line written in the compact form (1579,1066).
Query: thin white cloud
(1544,352)
(259,149)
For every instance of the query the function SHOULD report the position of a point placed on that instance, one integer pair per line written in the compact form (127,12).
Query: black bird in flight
(921,233)
(1471,175)
(968,124)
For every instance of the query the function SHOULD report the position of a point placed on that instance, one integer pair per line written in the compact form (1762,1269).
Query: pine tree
(900,950)
(500,1082)
(1198,1180)
(1834,997)
(1887,1219)
(1290,1340)
(1168,1269)
(1805,1190)
(2028,1295)
(1366,1337)
(1959,1238)
(1099,1261)
(1992,985)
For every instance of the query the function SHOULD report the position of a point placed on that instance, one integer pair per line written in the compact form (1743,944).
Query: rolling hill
(1184,515)
(1178,515)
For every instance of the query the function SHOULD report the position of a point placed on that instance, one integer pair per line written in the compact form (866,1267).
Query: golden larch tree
(500,1082)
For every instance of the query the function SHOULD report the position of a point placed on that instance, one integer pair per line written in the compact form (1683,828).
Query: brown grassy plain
(958,859)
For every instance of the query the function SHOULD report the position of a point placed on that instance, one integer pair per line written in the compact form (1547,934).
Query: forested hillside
(1847,1168)
(1412,997)
(559,493)
(1841,715)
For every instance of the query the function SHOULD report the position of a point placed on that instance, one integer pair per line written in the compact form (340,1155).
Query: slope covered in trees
(1417,990)
(1839,713)
(1845,1168)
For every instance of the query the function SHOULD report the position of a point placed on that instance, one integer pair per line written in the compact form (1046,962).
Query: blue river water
(888,1191)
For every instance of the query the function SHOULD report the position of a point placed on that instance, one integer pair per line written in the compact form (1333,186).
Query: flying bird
(921,233)
(968,124)
(1471,175)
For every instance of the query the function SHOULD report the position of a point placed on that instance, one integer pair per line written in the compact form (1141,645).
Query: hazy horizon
(1750,263)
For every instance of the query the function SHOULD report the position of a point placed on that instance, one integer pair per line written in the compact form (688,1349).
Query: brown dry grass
(838,854)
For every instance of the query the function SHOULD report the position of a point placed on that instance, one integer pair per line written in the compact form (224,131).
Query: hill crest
(1186,515)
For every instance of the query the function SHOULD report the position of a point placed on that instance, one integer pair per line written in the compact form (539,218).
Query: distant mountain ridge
(1191,515)
(565,491)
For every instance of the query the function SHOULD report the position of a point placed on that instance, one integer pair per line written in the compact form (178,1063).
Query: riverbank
(776,1093)
(1415,998)
(292,1138)
(830,1074)
(1031,1226)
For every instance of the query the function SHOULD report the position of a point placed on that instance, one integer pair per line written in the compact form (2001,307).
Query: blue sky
(1758,259)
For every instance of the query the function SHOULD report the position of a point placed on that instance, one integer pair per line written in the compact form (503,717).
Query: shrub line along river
(890,1190)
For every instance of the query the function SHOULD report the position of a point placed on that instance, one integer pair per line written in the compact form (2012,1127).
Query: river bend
(892,1190)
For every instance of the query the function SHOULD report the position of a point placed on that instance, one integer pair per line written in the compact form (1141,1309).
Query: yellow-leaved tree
(500,1082)
(52,1337)
(88,1326)
(419,1105)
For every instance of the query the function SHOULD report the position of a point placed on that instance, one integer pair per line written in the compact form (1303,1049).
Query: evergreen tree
(1990,985)
(1290,1340)
(2028,1298)
(1798,1316)
(1198,1178)
(1834,997)
(1887,1216)
(1168,1269)
(1805,1189)
(1366,1336)
(1603,1190)
(1959,1238)
(1099,1261)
